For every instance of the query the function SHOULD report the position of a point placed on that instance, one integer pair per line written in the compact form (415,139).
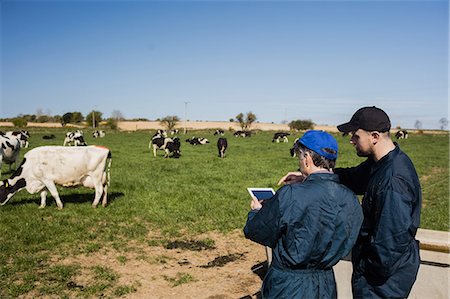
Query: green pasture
(175,197)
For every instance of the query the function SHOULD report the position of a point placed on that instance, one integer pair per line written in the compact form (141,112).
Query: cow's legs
(54,192)
(43,199)
(98,194)
(105,194)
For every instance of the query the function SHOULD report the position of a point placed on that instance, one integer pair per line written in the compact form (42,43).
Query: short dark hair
(318,160)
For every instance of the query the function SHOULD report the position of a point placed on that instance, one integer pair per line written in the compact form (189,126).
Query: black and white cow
(401,134)
(173,148)
(219,132)
(74,138)
(98,134)
(174,132)
(222,145)
(280,136)
(242,134)
(22,135)
(160,132)
(197,140)
(48,166)
(170,146)
(9,150)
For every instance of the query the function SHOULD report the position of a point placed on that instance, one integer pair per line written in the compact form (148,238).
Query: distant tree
(245,122)
(66,118)
(57,118)
(117,115)
(19,122)
(300,124)
(112,123)
(169,122)
(443,122)
(42,118)
(418,125)
(94,118)
(231,120)
(77,117)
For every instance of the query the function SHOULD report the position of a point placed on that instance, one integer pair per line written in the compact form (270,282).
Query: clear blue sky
(318,60)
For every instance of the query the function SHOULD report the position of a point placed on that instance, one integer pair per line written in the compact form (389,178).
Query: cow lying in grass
(48,166)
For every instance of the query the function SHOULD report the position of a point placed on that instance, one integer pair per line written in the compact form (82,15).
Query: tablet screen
(261,193)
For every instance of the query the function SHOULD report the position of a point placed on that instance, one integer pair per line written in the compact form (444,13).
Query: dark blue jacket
(386,256)
(310,226)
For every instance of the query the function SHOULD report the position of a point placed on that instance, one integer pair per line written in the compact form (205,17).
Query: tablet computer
(261,193)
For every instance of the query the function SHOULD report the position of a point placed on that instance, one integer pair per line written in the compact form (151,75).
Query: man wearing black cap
(386,256)
(310,225)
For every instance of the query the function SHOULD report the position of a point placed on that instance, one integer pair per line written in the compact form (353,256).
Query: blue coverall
(310,226)
(386,256)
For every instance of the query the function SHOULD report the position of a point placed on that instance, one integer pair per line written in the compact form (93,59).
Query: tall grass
(197,193)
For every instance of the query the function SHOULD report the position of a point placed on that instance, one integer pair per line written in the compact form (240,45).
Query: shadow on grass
(87,197)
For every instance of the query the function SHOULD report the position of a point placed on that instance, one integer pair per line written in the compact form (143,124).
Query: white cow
(48,166)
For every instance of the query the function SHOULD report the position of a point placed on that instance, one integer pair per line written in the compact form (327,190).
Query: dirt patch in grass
(210,266)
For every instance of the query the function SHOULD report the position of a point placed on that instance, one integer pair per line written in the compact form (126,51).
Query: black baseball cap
(368,119)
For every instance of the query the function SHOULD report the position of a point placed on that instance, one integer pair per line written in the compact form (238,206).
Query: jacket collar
(386,159)
(323,176)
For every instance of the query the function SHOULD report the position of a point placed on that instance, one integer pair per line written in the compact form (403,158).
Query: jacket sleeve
(391,236)
(355,178)
(263,226)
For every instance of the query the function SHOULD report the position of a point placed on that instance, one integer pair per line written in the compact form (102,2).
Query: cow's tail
(108,168)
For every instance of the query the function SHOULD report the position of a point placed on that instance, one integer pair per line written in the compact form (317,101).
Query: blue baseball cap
(319,142)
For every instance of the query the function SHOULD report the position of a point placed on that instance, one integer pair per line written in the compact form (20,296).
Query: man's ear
(375,137)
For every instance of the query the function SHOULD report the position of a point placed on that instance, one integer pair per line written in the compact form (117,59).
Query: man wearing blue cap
(310,225)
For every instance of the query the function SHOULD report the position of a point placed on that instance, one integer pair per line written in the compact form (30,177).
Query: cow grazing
(171,147)
(402,134)
(242,134)
(22,135)
(222,145)
(74,138)
(48,166)
(9,150)
(280,136)
(219,132)
(197,140)
(98,134)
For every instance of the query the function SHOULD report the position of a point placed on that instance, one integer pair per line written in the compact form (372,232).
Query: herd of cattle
(44,167)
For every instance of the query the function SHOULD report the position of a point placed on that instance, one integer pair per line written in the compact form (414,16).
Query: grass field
(176,197)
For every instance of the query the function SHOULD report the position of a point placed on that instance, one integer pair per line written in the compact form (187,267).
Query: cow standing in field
(74,138)
(22,135)
(174,132)
(402,134)
(280,136)
(98,134)
(9,150)
(222,145)
(166,144)
(48,166)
